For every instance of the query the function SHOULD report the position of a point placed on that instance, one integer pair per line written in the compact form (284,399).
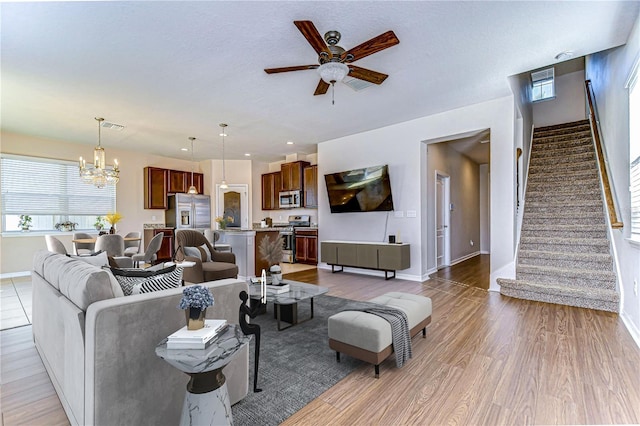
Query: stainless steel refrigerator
(188,211)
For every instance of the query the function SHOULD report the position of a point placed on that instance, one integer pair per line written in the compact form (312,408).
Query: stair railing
(603,164)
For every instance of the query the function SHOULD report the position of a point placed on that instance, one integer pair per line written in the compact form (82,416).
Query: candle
(263,287)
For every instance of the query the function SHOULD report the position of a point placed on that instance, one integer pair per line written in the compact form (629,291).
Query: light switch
(412,213)
(398,213)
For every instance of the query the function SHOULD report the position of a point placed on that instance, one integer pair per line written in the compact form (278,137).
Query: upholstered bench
(367,336)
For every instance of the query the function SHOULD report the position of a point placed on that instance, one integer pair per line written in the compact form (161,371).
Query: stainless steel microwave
(290,199)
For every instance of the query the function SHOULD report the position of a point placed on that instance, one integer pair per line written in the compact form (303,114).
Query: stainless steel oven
(288,245)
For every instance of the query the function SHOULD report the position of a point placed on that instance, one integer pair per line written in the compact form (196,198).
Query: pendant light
(223,185)
(192,188)
(99,173)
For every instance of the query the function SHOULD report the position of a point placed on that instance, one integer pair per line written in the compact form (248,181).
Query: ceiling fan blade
(287,69)
(322,88)
(312,35)
(370,47)
(367,75)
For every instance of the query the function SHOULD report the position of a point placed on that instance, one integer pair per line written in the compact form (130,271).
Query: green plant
(224,221)
(99,222)
(66,226)
(25,221)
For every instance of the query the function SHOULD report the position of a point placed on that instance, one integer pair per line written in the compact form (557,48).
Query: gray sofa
(99,349)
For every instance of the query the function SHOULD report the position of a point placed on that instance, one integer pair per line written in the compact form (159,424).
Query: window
(634,151)
(542,85)
(50,191)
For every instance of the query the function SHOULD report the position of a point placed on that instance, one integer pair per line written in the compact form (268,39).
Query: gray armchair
(221,266)
(132,247)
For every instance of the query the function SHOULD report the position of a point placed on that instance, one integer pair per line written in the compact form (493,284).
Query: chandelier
(223,185)
(98,173)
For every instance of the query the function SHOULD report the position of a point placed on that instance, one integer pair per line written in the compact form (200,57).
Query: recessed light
(564,55)
(289,143)
(184,149)
(247,155)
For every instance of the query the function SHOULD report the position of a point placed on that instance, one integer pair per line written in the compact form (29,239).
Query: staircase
(564,254)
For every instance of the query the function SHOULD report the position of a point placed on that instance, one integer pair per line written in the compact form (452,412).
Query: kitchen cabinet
(292,175)
(311,186)
(271,183)
(178,182)
(260,263)
(160,182)
(165,253)
(155,188)
(307,246)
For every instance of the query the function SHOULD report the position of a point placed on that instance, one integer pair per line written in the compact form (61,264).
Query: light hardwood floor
(487,360)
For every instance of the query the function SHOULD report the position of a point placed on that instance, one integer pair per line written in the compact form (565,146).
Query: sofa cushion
(82,283)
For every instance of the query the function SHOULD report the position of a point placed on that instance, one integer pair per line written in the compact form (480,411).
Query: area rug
(296,365)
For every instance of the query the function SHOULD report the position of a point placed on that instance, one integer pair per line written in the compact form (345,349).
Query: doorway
(233,202)
(442,206)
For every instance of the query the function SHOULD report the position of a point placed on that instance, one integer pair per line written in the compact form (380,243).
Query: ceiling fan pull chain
(333,93)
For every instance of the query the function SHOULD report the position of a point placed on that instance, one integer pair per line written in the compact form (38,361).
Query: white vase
(276,274)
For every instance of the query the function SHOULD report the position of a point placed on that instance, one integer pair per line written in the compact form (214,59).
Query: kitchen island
(242,242)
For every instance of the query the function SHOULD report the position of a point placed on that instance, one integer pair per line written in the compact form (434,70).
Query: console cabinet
(380,256)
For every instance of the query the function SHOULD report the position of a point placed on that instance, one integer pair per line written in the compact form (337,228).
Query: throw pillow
(136,281)
(201,252)
(206,254)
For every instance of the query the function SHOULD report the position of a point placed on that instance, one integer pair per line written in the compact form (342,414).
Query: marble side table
(206,401)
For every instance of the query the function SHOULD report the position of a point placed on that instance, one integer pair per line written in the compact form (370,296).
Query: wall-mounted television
(360,190)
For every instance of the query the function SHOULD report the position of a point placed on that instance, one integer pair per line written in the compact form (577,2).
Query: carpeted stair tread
(566,125)
(562,175)
(592,298)
(544,139)
(595,261)
(560,161)
(590,242)
(567,277)
(546,151)
(579,193)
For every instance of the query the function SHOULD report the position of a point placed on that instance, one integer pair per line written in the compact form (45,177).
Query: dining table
(93,240)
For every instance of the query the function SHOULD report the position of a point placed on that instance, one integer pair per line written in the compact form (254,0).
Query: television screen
(361,190)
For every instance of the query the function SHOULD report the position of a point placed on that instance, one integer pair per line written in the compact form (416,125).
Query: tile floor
(15,297)
(15,302)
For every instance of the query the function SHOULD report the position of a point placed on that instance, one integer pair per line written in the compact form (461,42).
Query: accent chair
(150,254)
(83,248)
(132,247)
(211,266)
(54,245)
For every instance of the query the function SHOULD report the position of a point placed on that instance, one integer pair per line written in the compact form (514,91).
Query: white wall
(17,250)
(464,190)
(608,72)
(568,105)
(485,212)
(402,147)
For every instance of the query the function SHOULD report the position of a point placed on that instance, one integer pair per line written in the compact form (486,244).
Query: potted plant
(270,251)
(195,301)
(223,221)
(113,218)
(25,222)
(99,223)
(66,226)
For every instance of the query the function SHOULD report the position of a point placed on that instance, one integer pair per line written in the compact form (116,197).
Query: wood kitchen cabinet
(166,249)
(160,182)
(307,246)
(311,186)
(292,175)
(271,183)
(155,188)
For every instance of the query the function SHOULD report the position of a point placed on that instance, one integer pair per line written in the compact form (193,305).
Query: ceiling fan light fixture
(332,72)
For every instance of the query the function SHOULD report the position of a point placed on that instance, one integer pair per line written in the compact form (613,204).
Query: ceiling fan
(334,62)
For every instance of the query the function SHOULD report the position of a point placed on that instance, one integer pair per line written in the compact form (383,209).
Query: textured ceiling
(170,70)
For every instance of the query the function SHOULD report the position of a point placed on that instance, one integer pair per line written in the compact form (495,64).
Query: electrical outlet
(153,217)
(635,287)
(471,242)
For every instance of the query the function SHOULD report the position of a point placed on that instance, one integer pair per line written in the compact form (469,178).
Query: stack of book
(278,288)
(197,339)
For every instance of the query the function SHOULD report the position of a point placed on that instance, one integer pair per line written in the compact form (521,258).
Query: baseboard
(633,330)
(463,258)
(373,272)
(15,274)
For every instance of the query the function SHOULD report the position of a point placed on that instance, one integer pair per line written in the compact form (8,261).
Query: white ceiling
(170,70)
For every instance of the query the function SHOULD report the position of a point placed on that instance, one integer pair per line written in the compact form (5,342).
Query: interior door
(442,220)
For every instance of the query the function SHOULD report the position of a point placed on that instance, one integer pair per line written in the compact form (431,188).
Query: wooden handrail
(608,190)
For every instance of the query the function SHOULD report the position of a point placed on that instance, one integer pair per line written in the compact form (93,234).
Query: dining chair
(113,244)
(150,254)
(54,245)
(83,248)
(132,247)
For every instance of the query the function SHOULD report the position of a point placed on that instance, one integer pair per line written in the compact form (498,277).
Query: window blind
(37,186)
